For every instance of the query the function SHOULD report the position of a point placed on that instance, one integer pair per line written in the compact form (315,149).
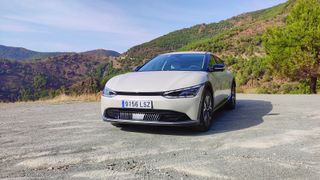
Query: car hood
(156,81)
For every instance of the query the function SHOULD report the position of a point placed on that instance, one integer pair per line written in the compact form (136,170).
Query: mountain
(21,54)
(237,40)
(18,53)
(237,36)
(62,73)
(102,52)
(29,75)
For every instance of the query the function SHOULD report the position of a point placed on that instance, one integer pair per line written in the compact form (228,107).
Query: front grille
(145,115)
(125,115)
(151,117)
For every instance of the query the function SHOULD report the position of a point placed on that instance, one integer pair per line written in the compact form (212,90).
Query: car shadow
(248,113)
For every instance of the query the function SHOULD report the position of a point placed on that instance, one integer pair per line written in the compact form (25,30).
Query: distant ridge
(102,52)
(22,54)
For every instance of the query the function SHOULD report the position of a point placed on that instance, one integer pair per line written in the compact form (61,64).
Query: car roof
(188,52)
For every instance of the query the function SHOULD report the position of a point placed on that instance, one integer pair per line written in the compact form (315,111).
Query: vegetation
(176,40)
(62,98)
(71,74)
(215,36)
(294,49)
(15,53)
(287,64)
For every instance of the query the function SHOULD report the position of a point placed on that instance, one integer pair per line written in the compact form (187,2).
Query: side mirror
(136,68)
(217,68)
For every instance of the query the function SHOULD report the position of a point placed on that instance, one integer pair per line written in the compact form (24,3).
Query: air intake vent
(145,115)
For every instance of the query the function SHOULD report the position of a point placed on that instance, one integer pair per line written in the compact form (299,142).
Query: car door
(225,80)
(215,79)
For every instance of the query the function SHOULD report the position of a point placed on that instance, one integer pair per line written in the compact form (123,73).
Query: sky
(81,25)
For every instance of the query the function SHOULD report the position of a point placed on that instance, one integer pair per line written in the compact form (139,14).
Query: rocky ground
(266,137)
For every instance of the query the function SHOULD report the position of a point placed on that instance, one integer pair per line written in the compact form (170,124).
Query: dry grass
(63,98)
(250,91)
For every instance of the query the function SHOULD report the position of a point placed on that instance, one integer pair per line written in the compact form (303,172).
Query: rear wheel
(231,104)
(206,114)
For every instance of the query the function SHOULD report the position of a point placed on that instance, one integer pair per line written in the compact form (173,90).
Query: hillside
(237,40)
(18,53)
(66,73)
(21,54)
(30,75)
(238,36)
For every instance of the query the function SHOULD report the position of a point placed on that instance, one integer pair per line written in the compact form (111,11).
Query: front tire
(206,114)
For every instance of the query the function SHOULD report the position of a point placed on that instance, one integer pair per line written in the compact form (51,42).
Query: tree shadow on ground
(248,113)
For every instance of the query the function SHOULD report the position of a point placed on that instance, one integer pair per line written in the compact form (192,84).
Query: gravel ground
(266,137)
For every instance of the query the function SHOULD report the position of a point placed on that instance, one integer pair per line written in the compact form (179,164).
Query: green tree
(39,82)
(25,94)
(294,49)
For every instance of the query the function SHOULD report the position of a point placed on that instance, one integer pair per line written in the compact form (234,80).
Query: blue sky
(80,25)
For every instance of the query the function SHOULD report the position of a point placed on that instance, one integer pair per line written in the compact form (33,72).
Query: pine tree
(294,49)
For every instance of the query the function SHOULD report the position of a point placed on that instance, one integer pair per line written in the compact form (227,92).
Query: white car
(173,89)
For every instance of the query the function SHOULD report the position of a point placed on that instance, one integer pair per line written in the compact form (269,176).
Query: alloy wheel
(207,110)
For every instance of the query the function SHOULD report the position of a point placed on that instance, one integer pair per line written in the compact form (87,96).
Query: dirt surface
(266,137)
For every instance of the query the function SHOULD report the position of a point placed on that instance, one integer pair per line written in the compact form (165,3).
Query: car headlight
(183,93)
(108,92)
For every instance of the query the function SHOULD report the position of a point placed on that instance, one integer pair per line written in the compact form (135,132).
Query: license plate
(139,104)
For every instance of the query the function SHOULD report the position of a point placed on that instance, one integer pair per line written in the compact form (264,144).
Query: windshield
(175,62)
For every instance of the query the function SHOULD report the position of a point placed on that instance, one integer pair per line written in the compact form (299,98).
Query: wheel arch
(233,83)
(208,86)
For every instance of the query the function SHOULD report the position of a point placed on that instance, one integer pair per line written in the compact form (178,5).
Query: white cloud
(77,25)
(74,15)
(16,28)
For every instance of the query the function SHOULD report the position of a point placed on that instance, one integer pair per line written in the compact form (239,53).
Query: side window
(218,60)
(211,61)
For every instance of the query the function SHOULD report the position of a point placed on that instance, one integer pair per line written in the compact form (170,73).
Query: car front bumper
(187,106)
(154,123)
